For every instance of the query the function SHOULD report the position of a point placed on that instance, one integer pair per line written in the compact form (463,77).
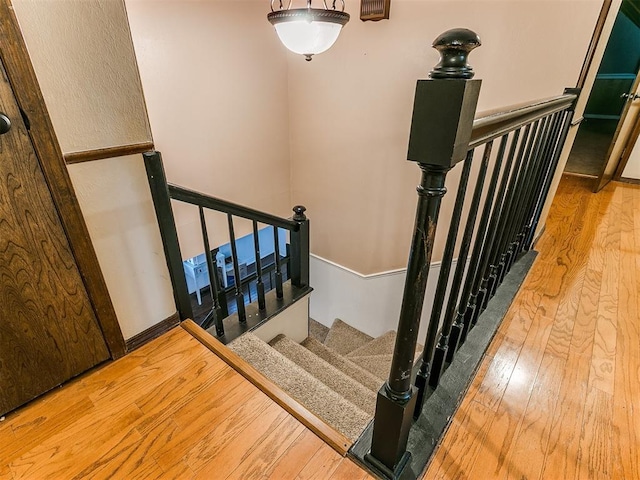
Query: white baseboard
(369,303)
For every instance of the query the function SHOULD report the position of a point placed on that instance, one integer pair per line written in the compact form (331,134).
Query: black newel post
(443,112)
(299,262)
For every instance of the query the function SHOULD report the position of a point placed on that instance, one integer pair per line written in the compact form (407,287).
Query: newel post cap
(299,215)
(454,47)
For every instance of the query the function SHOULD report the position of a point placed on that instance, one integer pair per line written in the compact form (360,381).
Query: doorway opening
(610,98)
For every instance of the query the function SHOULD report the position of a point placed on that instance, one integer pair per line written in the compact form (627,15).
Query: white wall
(370,303)
(632,170)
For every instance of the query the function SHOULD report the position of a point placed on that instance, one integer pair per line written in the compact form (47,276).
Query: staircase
(335,374)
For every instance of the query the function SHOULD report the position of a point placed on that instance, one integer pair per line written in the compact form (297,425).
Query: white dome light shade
(308,31)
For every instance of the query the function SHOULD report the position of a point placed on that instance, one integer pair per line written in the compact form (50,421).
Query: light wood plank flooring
(170,410)
(558,395)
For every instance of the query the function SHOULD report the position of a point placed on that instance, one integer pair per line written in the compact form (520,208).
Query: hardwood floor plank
(197,436)
(178,470)
(531,446)
(604,348)
(305,447)
(219,455)
(321,466)
(5,472)
(264,455)
(347,470)
(82,438)
(465,441)
(594,455)
(564,438)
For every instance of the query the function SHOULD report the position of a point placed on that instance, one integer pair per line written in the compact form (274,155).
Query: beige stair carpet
(378,365)
(343,364)
(343,338)
(381,345)
(317,330)
(356,393)
(331,407)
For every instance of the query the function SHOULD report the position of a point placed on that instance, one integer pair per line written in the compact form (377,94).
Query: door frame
(611,168)
(24,83)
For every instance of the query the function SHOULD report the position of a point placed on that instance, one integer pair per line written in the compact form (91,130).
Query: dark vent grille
(374,9)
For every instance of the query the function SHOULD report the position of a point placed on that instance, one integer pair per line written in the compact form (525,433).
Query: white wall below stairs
(370,303)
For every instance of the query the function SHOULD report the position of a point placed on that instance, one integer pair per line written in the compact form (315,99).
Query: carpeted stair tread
(378,365)
(317,330)
(332,408)
(381,345)
(353,391)
(343,338)
(343,364)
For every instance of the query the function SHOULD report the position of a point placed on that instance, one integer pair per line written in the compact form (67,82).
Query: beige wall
(215,80)
(85,64)
(118,209)
(350,110)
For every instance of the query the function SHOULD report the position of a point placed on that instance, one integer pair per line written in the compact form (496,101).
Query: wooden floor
(558,395)
(170,410)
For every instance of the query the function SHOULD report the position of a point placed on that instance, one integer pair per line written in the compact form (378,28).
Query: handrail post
(164,213)
(299,261)
(443,113)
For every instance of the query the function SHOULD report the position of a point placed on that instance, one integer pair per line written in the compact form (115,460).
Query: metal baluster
(530,190)
(516,206)
(441,289)
(242,315)
(453,324)
(491,243)
(278,273)
(506,217)
(215,315)
(468,299)
(563,129)
(491,204)
(527,179)
(259,282)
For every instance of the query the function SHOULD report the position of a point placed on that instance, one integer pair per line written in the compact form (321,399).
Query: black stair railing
(518,149)
(297,260)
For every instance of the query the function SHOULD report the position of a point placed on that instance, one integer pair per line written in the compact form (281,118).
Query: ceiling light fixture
(308,31)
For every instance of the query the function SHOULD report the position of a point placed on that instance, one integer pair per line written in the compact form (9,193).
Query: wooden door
(48,329)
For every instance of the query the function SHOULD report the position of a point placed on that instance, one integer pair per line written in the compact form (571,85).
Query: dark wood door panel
(48,330)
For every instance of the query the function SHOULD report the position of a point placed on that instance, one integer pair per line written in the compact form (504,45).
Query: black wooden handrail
(495,123)
(196,198)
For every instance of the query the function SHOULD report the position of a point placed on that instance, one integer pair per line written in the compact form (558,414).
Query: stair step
(343,338)
(381,345)
(328,405)
(339,382)
(317,330)
(343,364)
(378,365)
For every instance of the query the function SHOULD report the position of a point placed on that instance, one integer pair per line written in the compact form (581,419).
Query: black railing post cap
(454,47)
(299,213)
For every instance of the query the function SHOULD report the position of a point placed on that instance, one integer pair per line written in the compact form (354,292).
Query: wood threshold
(24,82)
(334,439)
(108,152)
(152,332)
